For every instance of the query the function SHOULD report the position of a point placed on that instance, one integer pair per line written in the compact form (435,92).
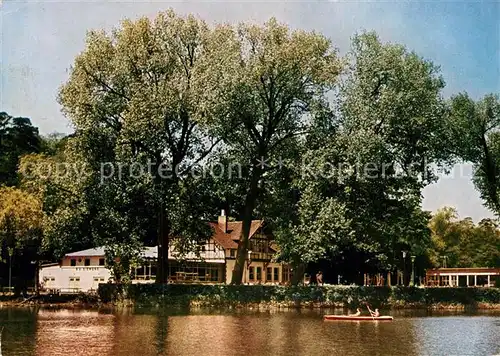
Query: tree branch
(103,83)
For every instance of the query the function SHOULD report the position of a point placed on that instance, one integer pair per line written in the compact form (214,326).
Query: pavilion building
(462,277)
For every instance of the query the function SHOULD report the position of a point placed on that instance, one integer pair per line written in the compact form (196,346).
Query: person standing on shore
(319,278)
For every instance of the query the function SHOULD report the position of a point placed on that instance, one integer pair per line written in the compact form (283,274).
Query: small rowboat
(357,318)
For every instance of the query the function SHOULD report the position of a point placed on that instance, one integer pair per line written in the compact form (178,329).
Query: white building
(82,271)
(77,271)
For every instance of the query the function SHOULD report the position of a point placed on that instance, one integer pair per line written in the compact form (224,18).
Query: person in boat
(375,313)
(358,312)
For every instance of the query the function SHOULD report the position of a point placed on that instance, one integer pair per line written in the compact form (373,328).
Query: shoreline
(181,296)
(76,304)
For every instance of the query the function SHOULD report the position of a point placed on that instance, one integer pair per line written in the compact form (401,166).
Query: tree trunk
(163,242)
(250,201)
(298,274)
(163,226)
(491,176)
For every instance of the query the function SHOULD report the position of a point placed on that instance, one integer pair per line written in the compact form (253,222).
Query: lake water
(68,332)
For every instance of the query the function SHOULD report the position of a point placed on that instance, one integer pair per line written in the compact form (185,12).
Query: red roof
(230,239)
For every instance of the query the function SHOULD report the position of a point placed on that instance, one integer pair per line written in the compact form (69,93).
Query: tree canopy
(17,137)
(332,152)
(475,138)
(20,218)
(367,161)
(461,243)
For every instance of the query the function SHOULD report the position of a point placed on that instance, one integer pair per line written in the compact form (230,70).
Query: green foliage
(337,180)
(135,97)
(151,295)
(463,243)
(17,137)
(367,162)
(60,183)
(54,143)
(473,128)
(20,220)
(21,227)
(270,80)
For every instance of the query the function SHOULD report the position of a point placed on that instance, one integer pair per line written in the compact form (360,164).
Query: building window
(233,253)
(214,274)
(101,261)
(276,274)
(202,272)
(87,262)
(139,273)
(285,274)
(251,273)
(259,273)
(269,274)
(74,282)
(73,262)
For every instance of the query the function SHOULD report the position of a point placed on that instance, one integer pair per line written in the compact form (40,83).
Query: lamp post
(404,267)
(11,252)
(248,264)
(412,271)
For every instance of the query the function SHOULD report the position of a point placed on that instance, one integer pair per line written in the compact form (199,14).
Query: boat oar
(369,311)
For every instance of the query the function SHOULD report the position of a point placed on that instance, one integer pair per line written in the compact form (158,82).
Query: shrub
(347,296)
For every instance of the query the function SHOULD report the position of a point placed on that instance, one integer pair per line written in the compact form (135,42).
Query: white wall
(58,277)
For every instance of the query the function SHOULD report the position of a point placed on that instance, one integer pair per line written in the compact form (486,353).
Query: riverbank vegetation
(150,295)
(266,122)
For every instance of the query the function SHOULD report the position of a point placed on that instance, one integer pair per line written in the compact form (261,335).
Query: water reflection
(453,336)
(18,331)
(241,333)
(78,332)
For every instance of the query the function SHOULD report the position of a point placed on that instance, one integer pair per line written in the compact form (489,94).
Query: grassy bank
(152,295)
(73,301)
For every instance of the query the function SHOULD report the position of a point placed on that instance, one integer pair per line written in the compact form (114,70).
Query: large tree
(269,78)
(136,96)
(368,159)
(20,230)
(461,243)
(475,138)
(17,137)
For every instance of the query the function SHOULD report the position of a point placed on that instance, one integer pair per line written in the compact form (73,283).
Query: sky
(40,39)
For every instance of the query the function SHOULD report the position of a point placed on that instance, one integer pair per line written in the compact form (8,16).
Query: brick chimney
(223,221)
